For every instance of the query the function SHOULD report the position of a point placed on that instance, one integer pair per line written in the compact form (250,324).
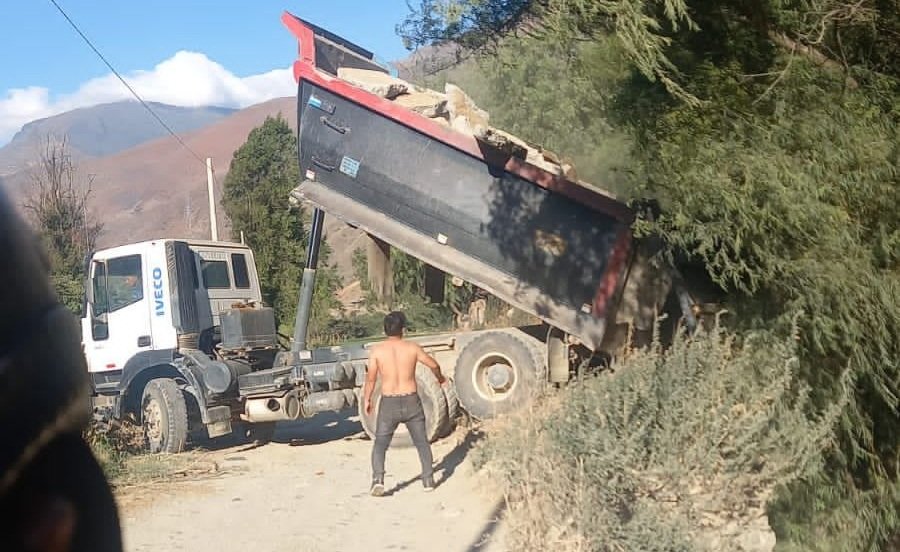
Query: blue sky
(186,52)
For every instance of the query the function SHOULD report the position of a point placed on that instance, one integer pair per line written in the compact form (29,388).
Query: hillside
(104,129)
(158,188)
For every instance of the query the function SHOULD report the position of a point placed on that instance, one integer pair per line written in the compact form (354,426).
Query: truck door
(119,316)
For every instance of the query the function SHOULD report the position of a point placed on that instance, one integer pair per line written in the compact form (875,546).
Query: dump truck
(178,339)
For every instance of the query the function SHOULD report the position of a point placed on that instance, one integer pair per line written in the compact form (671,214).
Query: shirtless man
(394,360)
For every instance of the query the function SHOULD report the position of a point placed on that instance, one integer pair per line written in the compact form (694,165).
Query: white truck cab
(133,299)
(147,305)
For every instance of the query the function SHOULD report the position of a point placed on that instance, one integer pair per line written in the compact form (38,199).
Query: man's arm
(428,360)
(371,376)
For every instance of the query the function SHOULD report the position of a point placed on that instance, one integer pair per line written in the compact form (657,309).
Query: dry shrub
(676,450)
(112,443)
(119,447)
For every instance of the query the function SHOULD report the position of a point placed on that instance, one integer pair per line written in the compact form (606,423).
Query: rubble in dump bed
(455,109)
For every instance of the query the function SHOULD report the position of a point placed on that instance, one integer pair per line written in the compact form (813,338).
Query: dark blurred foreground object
(53,493)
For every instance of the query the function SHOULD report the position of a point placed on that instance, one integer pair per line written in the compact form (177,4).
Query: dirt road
(307,491)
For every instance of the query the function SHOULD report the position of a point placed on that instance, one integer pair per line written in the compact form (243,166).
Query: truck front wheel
(496,373)
(164,416)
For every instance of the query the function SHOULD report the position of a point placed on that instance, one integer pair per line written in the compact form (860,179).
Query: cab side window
(241,274)
(98,282)
(124,281)
(116,283)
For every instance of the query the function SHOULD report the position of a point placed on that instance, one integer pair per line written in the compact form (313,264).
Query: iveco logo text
(158,292)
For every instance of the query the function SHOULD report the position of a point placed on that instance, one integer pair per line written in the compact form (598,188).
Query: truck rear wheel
(164,416)
(433,402)
(496,373)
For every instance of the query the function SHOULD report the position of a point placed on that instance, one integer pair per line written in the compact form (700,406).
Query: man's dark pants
(394,410)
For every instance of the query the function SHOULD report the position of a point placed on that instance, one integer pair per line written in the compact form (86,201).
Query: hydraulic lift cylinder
(308,284)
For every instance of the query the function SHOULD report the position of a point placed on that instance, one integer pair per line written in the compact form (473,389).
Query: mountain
(104,129)
(157,189)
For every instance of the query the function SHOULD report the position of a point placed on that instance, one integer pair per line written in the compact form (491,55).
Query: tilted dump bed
(546,245)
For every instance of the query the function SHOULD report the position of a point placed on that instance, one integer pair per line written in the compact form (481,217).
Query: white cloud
(187,79)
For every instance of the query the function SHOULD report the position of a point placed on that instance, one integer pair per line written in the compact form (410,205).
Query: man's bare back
(395,361)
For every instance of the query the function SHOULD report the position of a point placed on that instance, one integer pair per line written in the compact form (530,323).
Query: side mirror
(89,291)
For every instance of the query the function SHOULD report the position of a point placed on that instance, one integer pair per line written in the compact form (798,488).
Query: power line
(128,86)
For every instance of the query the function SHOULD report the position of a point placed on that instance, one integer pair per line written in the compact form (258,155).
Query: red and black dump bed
(544,244)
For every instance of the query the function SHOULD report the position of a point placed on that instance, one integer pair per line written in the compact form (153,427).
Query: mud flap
(219,421)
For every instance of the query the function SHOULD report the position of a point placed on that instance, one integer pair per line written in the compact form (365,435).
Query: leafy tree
(408,294)
(58,207)
(263,172)
(768,131)
(796,221)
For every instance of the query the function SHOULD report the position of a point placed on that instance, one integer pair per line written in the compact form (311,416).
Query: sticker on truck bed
(319,103)
(349,166)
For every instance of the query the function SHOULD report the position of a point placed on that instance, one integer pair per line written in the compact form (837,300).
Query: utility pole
(189,216)
(212,199)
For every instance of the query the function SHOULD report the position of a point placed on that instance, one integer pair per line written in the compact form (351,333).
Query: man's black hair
(394,323)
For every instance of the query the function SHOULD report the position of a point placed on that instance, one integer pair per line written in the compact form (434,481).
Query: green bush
(676,450)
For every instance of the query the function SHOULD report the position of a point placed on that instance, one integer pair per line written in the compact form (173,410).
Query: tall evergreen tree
(263,172)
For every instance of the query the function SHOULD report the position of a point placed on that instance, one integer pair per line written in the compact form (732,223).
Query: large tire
(433,402)
(453,412)
(496,373)
(164,417)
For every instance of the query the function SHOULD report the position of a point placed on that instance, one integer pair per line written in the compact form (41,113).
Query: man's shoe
(428,483)
(377,488)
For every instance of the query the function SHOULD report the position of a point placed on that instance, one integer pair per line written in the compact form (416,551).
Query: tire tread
(174,411)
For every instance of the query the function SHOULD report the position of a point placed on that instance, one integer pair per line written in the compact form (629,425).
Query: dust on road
(308,491)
